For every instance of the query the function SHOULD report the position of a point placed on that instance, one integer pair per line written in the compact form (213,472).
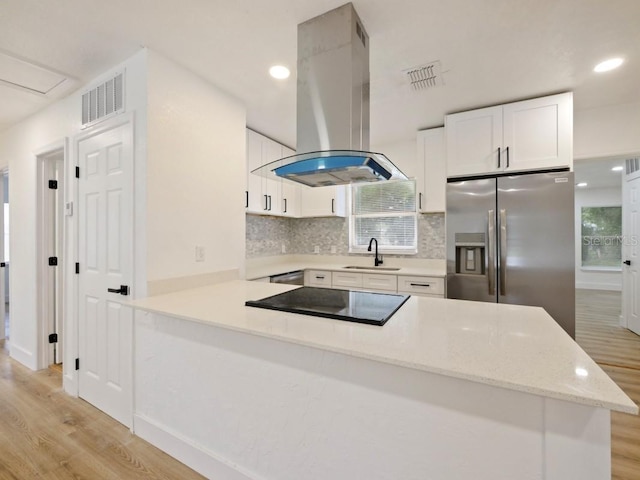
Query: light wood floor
(46,434)
(617,351)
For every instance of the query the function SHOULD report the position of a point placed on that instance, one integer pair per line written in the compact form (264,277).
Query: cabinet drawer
(380,282)
(319,278)
(421,285)
(346,280)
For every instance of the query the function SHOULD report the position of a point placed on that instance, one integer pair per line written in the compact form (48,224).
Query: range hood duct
(333,107)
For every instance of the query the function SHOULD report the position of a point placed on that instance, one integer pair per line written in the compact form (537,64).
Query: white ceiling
(491,51)
(597,173)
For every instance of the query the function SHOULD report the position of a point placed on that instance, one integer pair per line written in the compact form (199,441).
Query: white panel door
(105,226)
(631,254)
(474,139)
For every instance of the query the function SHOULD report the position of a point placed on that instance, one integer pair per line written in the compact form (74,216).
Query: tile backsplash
(266,236)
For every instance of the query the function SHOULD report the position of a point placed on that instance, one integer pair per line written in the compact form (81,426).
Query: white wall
(400,153)
(595,197)
(607,131)
(195,177)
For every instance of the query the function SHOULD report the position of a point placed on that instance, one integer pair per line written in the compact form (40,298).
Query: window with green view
(601,236)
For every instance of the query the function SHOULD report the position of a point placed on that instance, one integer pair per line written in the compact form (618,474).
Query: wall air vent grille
(425,76)
(633,165)
(103,101)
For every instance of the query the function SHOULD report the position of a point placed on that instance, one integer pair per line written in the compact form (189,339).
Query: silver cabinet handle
(503,251)
(491,249)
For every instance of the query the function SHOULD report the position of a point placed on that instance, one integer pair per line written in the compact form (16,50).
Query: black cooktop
(361,307)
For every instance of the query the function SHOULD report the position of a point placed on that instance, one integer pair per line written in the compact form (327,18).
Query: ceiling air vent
(425,76)
(103,101)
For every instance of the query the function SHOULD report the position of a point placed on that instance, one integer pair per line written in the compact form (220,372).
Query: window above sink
(386,211)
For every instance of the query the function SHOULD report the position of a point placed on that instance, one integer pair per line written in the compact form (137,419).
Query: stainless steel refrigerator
(510,239)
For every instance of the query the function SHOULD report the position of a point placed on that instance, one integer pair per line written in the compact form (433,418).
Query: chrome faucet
(377,261)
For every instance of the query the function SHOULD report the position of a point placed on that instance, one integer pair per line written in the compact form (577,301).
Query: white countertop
(515,347)
(285,264)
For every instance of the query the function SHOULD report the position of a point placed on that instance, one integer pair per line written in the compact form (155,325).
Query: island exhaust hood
(333,107)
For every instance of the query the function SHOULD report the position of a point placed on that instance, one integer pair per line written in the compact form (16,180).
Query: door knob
(627,262)
(123,290)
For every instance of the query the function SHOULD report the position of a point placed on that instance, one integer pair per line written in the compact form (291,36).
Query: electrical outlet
(334,249)
(199,253)
(316,249)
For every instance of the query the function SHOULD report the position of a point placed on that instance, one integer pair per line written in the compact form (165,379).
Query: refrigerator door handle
(491,249)
(503,251)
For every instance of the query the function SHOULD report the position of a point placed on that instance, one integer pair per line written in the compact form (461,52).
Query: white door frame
(43,294)
(3,298)
(49,278)
(70,306)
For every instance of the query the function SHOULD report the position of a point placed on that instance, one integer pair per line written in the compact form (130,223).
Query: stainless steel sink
(357,267)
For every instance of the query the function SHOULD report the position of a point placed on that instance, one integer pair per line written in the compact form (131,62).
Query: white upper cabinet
(272,189)
(255,201)
(290,198)
(529,135)
(474,141)
(268,196)
(323,201)
(539,133)
(431,156)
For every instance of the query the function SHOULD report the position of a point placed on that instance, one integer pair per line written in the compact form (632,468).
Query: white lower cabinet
(317,278)
(426,286)
(346,280)
(376,282)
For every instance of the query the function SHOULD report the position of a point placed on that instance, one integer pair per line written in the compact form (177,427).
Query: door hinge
(53,338)
(53,261)
(77,268)
(77,364)
(53,184)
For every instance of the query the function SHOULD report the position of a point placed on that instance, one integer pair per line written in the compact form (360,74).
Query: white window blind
(386,211)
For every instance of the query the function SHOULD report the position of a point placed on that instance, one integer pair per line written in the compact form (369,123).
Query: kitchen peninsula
(446,389)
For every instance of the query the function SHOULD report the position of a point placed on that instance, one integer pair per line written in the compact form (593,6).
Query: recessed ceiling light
(582,184)
(608,65)
(617,169)
(280,72)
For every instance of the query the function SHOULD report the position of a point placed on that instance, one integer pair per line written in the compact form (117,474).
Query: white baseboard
(23,356)
(194,456)
(599,286)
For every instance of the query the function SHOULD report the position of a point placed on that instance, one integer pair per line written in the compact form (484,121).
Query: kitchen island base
(235,405)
